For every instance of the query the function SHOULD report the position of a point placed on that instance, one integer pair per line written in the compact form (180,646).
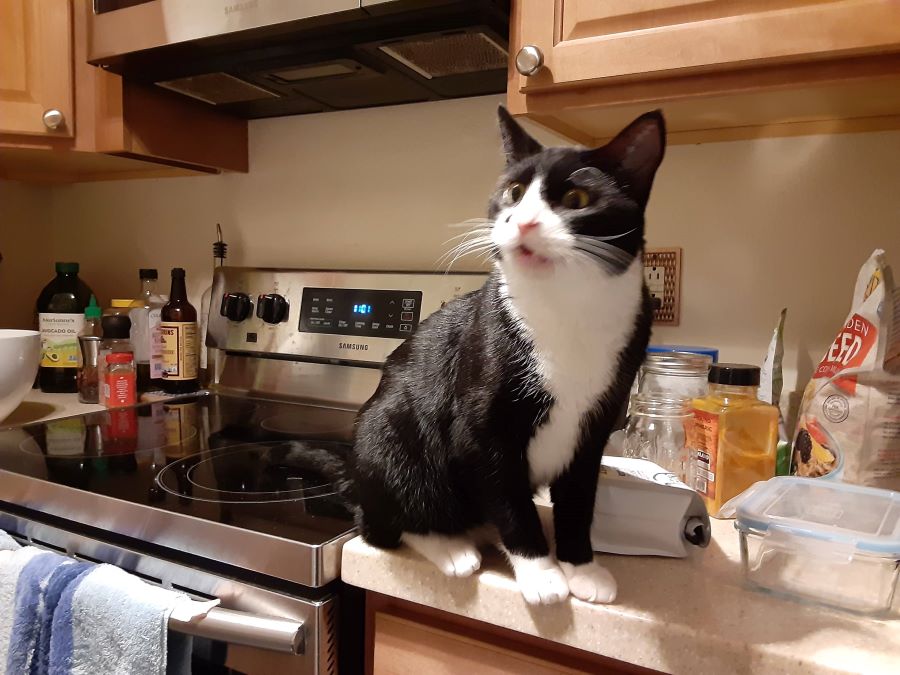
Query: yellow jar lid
(119,302)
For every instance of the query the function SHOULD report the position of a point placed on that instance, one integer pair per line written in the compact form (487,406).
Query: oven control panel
(323,314)
(354,311)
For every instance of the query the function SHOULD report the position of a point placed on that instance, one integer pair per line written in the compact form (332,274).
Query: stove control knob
(235,306)
(272,308)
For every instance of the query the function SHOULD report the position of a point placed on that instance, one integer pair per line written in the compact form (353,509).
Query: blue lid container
(823,541)
(690,349)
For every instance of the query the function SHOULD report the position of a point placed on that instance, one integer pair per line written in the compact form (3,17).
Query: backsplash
(763,224)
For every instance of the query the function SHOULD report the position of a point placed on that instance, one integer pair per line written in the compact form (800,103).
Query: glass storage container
(823,541)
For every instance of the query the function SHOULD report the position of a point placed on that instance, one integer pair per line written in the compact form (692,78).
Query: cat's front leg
(539,577)
(574,494)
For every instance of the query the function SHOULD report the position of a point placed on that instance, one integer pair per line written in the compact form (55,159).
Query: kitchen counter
(40,407)
(680,616)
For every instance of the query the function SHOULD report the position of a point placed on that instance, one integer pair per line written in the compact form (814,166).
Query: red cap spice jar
(120,380)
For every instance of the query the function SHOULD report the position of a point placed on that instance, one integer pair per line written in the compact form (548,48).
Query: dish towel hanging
(63,617)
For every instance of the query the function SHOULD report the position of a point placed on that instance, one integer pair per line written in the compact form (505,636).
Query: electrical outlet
(662,272)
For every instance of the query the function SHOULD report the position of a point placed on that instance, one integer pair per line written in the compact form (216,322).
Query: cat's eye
(576,198)
(514,192)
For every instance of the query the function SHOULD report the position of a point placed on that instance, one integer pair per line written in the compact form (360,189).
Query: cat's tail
(331,460)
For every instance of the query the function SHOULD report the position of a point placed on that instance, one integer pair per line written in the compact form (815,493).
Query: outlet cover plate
(662,272)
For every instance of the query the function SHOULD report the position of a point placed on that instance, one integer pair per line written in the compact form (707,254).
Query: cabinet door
(403,647)
(35,66)
(583,40)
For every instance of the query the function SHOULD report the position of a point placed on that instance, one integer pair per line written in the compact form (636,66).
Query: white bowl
(20,356)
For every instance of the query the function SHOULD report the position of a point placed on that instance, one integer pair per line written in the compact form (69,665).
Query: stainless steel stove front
(313,649)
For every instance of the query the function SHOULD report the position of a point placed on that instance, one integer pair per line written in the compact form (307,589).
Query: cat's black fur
(442,444)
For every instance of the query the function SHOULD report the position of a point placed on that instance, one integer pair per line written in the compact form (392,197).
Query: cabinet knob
(529,60)
(53,118)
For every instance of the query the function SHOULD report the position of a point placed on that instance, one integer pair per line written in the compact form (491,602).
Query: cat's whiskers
(476,242)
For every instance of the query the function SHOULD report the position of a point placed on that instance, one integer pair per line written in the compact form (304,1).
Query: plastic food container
(824,541)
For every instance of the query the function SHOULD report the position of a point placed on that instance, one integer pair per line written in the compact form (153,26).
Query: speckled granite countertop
(40,407)
(679,616)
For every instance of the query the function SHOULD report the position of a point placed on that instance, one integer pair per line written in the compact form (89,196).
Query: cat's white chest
(579,322)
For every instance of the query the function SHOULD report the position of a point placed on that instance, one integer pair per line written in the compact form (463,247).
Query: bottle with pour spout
(220,251)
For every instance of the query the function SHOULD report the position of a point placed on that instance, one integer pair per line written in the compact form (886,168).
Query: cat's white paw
(590,582)
(540,580)
(454,556)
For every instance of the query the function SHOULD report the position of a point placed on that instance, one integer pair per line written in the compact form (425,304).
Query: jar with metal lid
(675,375)
(657,431)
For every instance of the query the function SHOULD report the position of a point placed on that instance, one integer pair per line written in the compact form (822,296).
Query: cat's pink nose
(527,227)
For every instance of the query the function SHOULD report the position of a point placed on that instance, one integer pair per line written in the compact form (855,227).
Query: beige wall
(26,246)
(763,224)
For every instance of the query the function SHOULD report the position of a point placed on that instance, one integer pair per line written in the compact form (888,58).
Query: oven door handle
(245,628)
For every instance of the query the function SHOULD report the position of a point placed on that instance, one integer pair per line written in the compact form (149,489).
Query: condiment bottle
(144,315)
(60,309)
(116,331)
(178,332)
(734,435)
(120,380)
(89,346)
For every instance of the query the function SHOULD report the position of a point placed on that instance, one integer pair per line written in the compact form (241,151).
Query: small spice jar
(120,380)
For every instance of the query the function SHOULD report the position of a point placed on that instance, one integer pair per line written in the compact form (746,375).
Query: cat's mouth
(529,257)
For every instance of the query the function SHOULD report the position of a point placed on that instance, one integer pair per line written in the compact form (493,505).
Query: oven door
(254,631)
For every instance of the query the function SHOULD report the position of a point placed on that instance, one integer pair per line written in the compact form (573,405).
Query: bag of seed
(849,425)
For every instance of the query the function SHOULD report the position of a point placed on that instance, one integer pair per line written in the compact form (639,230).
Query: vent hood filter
(217,88)
(448,54)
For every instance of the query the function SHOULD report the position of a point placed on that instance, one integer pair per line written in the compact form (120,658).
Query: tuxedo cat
(518,384)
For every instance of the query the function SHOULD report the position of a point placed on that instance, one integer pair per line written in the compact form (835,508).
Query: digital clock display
(366,312)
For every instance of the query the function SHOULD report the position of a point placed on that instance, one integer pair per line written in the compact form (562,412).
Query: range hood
(263,58)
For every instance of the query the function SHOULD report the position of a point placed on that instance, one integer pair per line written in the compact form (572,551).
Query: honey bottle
(733,435)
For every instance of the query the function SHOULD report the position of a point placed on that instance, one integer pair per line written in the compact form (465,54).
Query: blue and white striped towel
(62,617)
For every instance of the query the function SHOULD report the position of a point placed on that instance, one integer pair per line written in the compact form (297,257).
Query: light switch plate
(662,272)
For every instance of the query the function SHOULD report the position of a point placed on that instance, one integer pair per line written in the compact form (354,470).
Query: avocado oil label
(59,339)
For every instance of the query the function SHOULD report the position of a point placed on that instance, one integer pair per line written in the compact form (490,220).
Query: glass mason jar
(675,375)
(656,431)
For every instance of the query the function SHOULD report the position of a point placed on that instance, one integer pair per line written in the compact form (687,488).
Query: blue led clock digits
(362,309)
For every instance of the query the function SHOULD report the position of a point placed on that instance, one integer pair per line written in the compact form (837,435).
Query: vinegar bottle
(178,333)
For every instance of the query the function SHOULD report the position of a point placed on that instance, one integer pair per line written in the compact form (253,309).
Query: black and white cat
(518,384)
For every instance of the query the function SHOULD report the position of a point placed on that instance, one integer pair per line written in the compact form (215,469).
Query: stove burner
(319,423)
(246,473)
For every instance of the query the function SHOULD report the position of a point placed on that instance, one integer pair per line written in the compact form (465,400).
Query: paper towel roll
(642,509)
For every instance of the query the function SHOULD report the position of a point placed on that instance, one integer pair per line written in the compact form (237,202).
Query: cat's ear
(638,151)
(516,142)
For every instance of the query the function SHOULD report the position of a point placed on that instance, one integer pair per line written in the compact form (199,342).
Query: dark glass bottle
(178,331)
(60,310)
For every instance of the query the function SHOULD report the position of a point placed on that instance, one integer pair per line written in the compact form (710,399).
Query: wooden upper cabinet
(112,128)
(715,63)
(36,67)
(585,40)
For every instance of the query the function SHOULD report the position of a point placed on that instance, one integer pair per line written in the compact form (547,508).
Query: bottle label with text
(156,344)
(59,339)
(179,349)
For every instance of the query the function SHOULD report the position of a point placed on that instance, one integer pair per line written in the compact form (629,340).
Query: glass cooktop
(228,460)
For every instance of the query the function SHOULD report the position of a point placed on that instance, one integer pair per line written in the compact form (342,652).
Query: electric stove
(215,485)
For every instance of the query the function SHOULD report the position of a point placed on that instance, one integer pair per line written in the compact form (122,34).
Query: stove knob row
(236,306)
(272,308)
